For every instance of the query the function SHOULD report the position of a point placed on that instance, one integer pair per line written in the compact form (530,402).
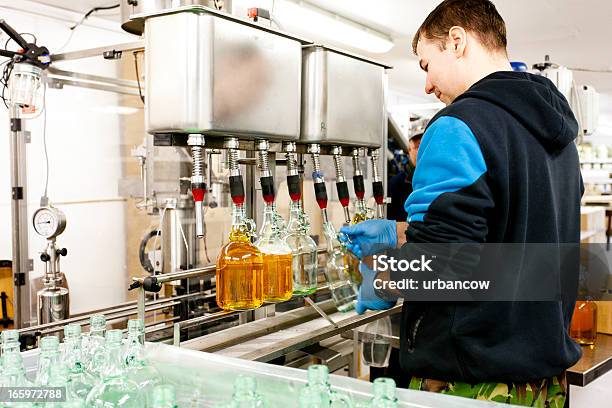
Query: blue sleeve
(451,196)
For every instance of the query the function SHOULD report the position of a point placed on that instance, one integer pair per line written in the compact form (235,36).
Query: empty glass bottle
(115,389)
(338,271)
(245,394)
(93,355)
(143,374)
(164,396)
(49,356)
(14,375)
(304,251)
(10,343)
(239,268)
(60,377)
(81,381)
(384,391)
(318,393)
(277,258)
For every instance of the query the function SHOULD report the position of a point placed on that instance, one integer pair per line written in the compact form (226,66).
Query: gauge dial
(49,222)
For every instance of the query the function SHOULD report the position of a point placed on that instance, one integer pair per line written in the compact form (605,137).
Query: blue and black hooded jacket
(498,165)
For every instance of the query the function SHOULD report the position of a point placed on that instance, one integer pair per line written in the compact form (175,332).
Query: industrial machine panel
(343,98)
(214,75)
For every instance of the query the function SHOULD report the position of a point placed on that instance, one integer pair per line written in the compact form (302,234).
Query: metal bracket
(17,193)
(320,311)
(19,279)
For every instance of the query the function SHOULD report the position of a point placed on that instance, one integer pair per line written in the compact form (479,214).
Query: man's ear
(458,40)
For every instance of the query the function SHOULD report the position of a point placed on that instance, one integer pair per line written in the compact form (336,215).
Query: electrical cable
(93,10)
(85,16)
(138,76)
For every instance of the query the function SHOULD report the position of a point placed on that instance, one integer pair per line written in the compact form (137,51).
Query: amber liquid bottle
(584,322)
(277,258)
(239,269)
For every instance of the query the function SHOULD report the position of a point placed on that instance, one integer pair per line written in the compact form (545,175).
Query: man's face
(443,70)
(413,149)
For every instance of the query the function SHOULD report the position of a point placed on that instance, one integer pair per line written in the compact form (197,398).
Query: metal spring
(356,165)
(338,163)
(291,164)
(263,163)
(375,174)
(198,161)
(232,161)
(316,163)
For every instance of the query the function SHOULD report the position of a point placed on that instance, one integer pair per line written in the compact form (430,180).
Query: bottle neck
(47,360)
(239,227)
(134,355)
(73,353)
(268,230)
(114,361)
(295,217)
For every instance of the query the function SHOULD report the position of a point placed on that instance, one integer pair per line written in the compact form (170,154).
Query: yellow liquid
(277,277)
(239,274)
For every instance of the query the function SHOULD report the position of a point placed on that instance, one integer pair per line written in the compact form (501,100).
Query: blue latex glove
(371,236)
(366,298)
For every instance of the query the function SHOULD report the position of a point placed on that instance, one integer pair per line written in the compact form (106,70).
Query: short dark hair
(477,16)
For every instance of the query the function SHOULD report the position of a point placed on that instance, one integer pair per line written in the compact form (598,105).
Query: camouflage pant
(547,393)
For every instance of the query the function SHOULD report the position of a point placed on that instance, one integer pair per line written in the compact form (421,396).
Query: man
(400,185)
(497,165)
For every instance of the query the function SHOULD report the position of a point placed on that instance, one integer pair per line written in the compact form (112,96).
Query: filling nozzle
(341,184)
(265,175)
(198,185)
(293,177)
(317,177)
(377,184)
(358,182)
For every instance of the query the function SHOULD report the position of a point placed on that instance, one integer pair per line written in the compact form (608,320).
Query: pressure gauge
(49,222)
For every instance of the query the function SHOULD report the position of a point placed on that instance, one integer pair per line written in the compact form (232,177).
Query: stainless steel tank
(132,7)
(53,304)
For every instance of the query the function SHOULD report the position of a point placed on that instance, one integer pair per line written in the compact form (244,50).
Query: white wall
(84,160)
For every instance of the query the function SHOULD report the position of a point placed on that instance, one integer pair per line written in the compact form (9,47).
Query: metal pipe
(19,218)
(198,184)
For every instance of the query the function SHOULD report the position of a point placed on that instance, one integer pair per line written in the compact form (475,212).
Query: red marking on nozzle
(295,197)
(360,194)
(268,198)
(238,200)
(322,204)
(379,199)
(345,202)
(198,194)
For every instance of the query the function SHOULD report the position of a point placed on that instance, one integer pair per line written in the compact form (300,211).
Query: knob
(62,252)
(45,257)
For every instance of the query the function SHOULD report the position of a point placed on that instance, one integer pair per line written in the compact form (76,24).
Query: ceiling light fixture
(319,22)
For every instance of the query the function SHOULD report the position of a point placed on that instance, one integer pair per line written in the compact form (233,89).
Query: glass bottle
(362,212)
(317,393)
(584,322)
(143,374)
(376,343)
(49,356)
(164,396)
(115,389)
(60,377)
(93,355)
(384,391)
(14,376)
(245,394)
(10,343)
(239,272)
(304,250)
(81,380)
(277,258)
(338,271)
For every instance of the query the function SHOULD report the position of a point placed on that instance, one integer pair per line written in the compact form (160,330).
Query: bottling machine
(226,97)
